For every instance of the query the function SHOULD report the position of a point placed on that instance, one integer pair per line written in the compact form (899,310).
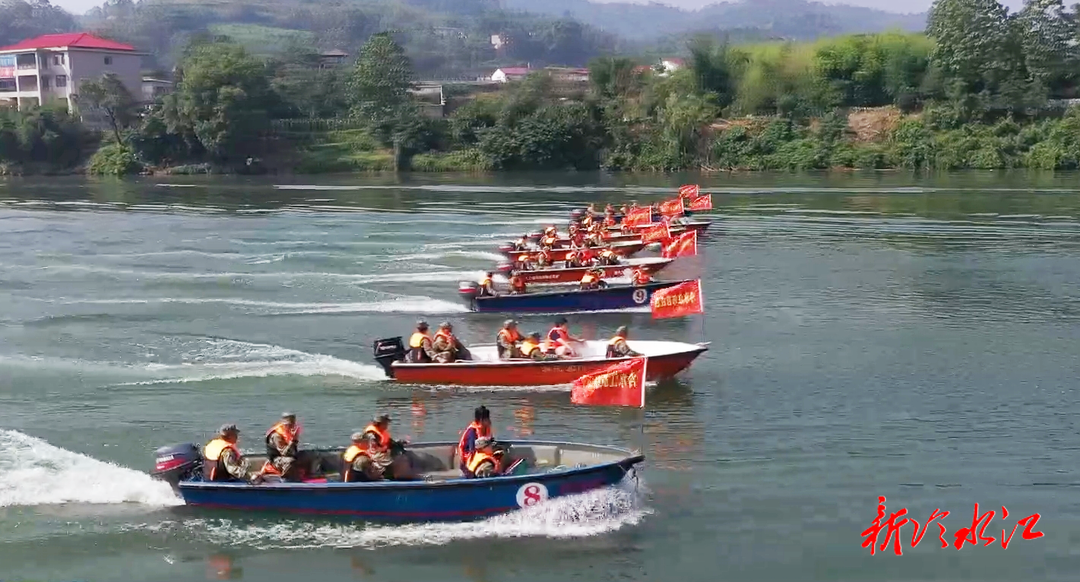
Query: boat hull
(573,275)
(614,236)
(451,500)
(533,373)
(615,297)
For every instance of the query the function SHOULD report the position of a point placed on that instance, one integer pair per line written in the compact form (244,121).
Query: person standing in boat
(421,350)
(506,343)
(480,427)
(447,347)
(487,286)
(559,341)
(485,462)
(617,346)
(522,244)
(517,284)
(222,460)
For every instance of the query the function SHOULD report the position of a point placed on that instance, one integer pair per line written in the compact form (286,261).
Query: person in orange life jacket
(222,460)
(587,221)
(588,256)
(574,259)
(357,463)
(559,340)
(447,347)
(522,244)
(506,343)
(608,256)
(523,262)
(531,349)
(593,279)
(487,286)
(379,446)
(517,284)
(640,277)
(480,427)
(617,346)
(282,446)
(578,238)
(609,220)
(420,345)
(548,241)
(486,461)
(543,258)
(595,239)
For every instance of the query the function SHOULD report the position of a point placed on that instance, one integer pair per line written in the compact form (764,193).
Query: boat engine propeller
(387,351)
(176,463)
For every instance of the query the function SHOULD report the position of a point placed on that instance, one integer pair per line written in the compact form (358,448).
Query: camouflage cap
(228,429)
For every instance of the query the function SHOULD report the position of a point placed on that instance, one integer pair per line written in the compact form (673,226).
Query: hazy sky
(80,6)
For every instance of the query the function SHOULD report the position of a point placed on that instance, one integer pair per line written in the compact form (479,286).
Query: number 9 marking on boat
(639,296)
(530,494)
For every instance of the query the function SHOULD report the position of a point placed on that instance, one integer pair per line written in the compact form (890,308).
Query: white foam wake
(577,516)
(33,472)
(401,304)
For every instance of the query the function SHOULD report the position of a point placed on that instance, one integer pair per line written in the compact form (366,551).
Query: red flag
(620,384)
(672,207)
(688,191)
(682,299)
(700,202)
(639,217)
(684,245)
(655,232)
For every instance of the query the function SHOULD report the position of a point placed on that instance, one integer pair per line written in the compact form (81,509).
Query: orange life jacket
(517,283)
(215,467)
(479,458)
(480,432)
(641,277)
(383,443)
(551,343)
(449,337)
(416,347)
(350,455)
(268,468)
(611,345)
(511,338)
(588,279)
(290,436)
(485,282)
(527,347)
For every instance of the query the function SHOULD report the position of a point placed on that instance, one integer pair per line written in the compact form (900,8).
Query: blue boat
(560,301)
(537,471)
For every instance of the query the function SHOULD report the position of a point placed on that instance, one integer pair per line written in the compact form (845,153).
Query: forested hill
(790,19)
(444,38)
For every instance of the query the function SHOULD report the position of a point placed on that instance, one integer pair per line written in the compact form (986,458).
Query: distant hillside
(793,19)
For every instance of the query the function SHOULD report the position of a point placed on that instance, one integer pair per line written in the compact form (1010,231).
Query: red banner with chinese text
(655,232)
(700,203)
(684,245)
(672,207)
(638,217)
(682,299)
(688,191)
(621,384)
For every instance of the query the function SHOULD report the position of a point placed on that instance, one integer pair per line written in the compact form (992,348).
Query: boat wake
(34,472)
(577,516)
(399,304)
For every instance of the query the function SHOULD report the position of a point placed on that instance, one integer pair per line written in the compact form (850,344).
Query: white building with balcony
(49,68)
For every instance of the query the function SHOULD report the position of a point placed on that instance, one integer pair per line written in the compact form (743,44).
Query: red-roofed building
(510,74)
(50,67)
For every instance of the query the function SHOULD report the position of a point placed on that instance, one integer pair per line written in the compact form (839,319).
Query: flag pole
(644,381)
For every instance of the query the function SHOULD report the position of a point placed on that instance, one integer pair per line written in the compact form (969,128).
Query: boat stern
(387,351)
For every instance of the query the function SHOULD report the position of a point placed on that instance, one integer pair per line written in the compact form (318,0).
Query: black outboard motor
(176,463)
(387,351)
(469,291)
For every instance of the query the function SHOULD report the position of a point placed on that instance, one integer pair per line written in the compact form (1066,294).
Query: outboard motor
(387,351)
(177,463)
(505,268)
(506,249)
(469,291)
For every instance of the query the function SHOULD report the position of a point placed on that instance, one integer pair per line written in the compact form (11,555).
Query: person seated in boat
(587,221)
(609,221)
(523,262)
(479,428)
(282,450)
(522,244)
(549,240)
(640,277)
(532,349)
(575,259)
(577,239)
(358,464)
(517,284)
(389,455)
(593,279)
(421,348)
(560,342)
(222,460)
(487,286)
(506,343)
(595,238)
(617,346)
(447,347)
(486,461)
(543,258)
(608,256)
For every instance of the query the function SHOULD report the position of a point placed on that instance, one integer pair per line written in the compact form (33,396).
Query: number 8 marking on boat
(530,494)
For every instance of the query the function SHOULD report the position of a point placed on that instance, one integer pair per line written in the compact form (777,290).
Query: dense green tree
(109,95)
(379,88)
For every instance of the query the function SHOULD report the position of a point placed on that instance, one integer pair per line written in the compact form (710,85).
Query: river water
(872,335)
